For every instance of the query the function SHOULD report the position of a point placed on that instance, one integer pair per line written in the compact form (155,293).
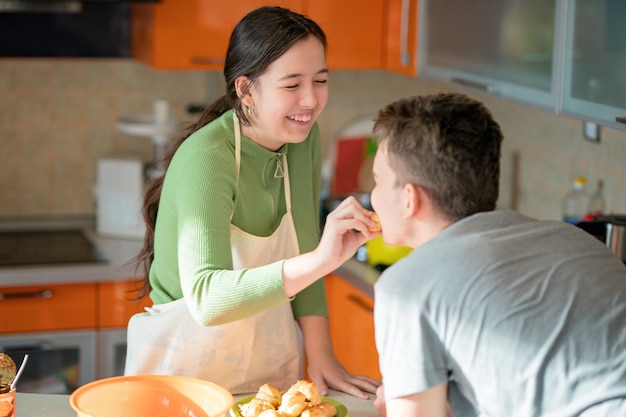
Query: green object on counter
(380,253)
(370,148)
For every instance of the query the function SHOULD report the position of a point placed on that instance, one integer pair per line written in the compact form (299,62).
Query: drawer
(116,303)
(47,307)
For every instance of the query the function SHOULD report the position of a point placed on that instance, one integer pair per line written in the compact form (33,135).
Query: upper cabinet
(594,81)
(354,32)
(195,35)
(502,47)
(567,56)
(400,47)
(189,35)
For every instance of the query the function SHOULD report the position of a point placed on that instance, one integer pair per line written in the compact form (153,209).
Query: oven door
(111,352)
(58,362)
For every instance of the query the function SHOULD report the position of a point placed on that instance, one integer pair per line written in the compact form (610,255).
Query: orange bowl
(151,396)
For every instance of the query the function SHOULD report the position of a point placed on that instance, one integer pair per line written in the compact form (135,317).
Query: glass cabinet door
(58,362)
(595,61)
(505,47)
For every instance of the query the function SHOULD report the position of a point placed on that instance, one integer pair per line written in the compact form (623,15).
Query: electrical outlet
(591,131)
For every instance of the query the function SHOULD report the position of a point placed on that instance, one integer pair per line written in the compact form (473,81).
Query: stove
(36,247)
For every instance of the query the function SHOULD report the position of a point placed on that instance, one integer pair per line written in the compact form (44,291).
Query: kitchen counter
(117,253)
(360,275)
(50,405)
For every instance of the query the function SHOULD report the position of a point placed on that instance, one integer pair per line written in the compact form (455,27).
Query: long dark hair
(260,38)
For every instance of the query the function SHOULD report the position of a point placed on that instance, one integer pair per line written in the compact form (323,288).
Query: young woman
(231,251)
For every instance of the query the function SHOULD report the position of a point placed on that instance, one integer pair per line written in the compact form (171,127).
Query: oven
(111,352)
(58,362)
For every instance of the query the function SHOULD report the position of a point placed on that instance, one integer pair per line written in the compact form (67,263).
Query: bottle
(576,201)
(596,202)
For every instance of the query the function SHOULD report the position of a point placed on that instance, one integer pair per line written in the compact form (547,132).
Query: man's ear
(412,199)
(242,87)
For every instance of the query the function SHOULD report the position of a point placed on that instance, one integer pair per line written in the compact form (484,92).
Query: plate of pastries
(302,399)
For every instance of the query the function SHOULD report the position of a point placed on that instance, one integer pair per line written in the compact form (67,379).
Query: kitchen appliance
(158,126)
(47,247)
(611,230)
(120,187)
(58,362)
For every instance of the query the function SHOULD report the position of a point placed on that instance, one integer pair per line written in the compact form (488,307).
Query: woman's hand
(330,374)
(323,367)
(347,227)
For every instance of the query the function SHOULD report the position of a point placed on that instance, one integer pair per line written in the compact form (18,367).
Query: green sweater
(192,254)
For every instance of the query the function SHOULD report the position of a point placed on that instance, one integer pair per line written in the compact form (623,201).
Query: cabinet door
(117,303)
(354,31)
(351,324)
(595,61)
(506,48)
(189,35)
(47,307)
(401,36)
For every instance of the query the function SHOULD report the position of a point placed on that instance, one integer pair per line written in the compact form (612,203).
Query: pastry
(271,413)
(293,403)
(255,407)
(377,227)
(313,412)
(269,393)
(309,389)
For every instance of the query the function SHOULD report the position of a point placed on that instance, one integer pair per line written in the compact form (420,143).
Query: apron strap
(237,146)
(238,164)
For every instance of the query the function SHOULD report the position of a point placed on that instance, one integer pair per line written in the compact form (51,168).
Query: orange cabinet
(195,35)
(117,303)
(47,307)
(351,323)
(354,31)
(401,36)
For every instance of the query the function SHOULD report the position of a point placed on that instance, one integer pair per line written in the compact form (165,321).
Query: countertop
(117,251)
(51,405)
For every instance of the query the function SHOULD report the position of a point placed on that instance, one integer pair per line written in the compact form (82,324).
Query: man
(493,313)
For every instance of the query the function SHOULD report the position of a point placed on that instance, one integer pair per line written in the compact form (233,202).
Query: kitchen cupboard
(565,56)
(351,323)
(400,47)
(117,303)
(195,35)
(594,81)
(189,35)
(505,48)
(73,333)
(354,32)
(47,307)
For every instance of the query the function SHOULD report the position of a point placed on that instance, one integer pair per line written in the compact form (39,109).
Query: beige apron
(240,356)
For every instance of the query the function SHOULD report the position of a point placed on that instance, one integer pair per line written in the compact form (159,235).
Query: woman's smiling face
(289,96)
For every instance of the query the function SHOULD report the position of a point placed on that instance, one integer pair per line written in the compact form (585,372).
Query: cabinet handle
(35,347)
(405,55)
(474,84)
(359,302)
(204,60)
(26,294)
(620,120)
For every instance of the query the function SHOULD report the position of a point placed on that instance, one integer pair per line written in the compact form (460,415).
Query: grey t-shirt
(521,317)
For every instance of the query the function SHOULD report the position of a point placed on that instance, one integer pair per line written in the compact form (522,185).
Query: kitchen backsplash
(58,117)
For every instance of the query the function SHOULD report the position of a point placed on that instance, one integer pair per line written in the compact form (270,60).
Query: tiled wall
(57,117)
